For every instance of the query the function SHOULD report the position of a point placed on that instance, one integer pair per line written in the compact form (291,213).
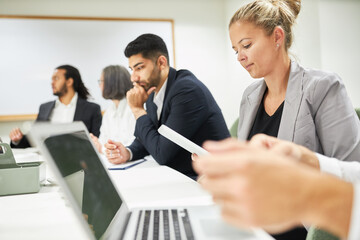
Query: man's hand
(16,135)
(136,98)
(116,153)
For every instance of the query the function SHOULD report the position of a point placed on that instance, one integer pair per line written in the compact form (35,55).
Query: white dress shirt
(354,230)
(118,124)
(64,113)
(348,171)
(159,99)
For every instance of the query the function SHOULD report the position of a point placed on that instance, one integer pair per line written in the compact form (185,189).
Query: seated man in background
(174,98)
(268,183)
(71,105)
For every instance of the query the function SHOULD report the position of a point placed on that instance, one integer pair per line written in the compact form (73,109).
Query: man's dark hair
(79,87)
(116,82)
(149,45)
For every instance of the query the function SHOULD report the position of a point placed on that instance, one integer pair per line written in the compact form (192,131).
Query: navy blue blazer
(189,109)
(87,112)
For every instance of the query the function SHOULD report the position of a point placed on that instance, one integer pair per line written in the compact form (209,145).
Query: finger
(263,141)
(112,153)
(151,90)
(135,84)
(110,145)
(219,187)
(114,156)
(224,145)
(138,89)
(112,142)
(16,132)
(94,138)
(224,163)
(119,145)
(287,149)
(194,156)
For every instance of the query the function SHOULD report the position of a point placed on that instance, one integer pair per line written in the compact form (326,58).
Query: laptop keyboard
(164,224)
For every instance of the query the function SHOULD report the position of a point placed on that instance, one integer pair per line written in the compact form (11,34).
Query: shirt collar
(71,104)
(159,97)
(121,107)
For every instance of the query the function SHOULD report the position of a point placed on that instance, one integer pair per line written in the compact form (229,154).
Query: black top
(269,125)
(266,124)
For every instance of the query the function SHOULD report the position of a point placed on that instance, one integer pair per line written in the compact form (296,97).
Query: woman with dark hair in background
(118,121)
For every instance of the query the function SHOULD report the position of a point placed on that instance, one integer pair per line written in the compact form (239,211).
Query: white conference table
(47,214)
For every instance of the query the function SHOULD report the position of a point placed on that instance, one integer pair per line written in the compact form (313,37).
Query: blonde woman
(306,106)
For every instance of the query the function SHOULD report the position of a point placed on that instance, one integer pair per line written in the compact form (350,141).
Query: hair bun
(294,5)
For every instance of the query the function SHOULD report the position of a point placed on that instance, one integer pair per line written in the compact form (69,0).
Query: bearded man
(174,98)
(71,105)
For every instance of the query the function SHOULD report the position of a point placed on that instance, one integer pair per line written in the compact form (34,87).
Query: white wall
(324,38)
(199,30)
(339,43)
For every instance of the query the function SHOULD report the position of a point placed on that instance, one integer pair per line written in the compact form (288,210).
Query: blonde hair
(269,14)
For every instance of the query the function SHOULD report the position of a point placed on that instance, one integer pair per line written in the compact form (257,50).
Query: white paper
(181,140)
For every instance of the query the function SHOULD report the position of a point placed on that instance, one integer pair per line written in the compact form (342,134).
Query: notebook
(98,204)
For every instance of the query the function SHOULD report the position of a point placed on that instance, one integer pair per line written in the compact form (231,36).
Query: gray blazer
(317,114)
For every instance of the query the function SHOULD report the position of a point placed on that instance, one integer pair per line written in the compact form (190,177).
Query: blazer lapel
(79,109)
(151,109)
(294,94)
(45,115)
(249,110)
(170,81)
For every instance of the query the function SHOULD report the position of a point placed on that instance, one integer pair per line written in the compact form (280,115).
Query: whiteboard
(31,48)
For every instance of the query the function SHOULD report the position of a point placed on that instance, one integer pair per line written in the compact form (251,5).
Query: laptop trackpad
(216,227)
(208,224)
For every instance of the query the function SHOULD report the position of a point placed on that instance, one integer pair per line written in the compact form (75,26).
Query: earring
(277,45)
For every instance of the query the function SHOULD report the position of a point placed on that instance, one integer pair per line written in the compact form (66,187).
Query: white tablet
(181,140)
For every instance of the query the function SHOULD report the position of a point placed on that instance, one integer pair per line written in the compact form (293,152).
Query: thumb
(117,144)
(151,90)
(287,149)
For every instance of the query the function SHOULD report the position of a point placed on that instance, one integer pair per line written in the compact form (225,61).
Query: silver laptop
(99,205)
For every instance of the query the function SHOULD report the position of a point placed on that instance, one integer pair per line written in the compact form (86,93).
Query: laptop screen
(86,178)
